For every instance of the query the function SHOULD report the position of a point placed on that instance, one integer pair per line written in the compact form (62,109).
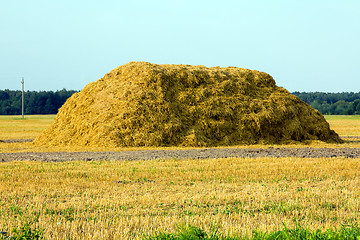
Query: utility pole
(22,99)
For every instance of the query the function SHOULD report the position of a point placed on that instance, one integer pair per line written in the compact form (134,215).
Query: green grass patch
(298,233)
(25,232)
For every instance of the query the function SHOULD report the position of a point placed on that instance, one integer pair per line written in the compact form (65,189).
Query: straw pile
(144,104)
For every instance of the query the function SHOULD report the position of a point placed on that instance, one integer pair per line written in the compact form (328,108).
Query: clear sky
(306,45)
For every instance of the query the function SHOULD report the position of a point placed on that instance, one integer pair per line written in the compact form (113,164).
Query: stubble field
(133,199)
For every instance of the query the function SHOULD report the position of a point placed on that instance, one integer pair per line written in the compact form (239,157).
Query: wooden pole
(22,99)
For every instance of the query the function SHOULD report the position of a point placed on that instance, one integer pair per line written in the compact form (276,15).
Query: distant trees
(48,102)
(345,103)
(43,102)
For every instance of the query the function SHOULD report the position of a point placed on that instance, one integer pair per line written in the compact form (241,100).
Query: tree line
(48,102)
(43,102)
(345,103)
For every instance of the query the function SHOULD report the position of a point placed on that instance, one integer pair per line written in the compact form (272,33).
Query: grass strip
(298,233)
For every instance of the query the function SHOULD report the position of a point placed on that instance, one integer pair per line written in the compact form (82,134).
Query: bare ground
(184,154)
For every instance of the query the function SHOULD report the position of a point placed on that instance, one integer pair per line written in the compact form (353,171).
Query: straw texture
(145,104)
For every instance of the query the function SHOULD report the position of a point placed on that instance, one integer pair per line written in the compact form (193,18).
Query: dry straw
(144,104)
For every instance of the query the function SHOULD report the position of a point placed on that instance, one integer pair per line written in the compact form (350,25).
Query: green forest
(345,103)
(48,102)
(42,102)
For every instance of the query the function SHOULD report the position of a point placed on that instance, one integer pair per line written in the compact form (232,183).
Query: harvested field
(144,104)
(348,126)
(14,127)
(129,199)
(224,188)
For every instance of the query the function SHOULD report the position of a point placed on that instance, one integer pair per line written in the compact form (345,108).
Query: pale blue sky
(306,45)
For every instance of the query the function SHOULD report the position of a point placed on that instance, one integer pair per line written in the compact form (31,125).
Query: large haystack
(144,104)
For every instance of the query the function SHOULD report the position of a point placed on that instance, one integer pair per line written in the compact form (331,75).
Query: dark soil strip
(185,154)
(16,140)
(351,139)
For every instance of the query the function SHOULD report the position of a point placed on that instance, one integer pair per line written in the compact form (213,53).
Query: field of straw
(133,199)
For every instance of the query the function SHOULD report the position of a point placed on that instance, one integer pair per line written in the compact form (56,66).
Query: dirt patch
(16,140)
(185,154)
(351,139)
